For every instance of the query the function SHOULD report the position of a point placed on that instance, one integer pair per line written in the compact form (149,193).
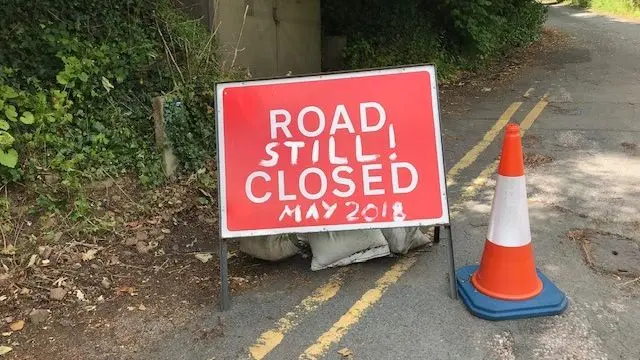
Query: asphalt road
(584,173)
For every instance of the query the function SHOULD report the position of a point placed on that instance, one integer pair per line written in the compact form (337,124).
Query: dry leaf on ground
(204,257)
(89,255)
(127,289)
(32,260)
(17,325)
(5,349)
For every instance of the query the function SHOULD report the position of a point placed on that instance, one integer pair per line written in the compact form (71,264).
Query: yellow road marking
(534,114)
(472,155)
(272,338)
(470,191)
(356,311)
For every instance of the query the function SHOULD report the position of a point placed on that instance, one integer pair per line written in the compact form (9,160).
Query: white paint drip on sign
(398,212)
(315,156)
(392,142)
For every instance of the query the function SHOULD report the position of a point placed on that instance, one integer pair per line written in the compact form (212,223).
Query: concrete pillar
(169,160)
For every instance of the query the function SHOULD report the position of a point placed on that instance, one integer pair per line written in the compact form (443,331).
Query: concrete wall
(278,36)
(299,36)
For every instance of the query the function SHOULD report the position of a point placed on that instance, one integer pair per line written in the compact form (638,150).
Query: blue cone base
(551,301)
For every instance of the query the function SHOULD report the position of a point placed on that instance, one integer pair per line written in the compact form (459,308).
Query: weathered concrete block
(169,160)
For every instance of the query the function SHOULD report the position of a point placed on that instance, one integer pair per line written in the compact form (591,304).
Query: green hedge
(450,33)
(76,82)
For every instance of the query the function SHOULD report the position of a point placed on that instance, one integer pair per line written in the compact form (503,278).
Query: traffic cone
(506,284)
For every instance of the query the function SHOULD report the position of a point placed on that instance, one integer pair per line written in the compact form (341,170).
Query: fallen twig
(121,276)
(192,253)
(78,243)
(134,267)
(586,254)
(161,267)
(179,270)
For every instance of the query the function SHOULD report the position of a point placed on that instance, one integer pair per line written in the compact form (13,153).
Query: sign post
(330,152)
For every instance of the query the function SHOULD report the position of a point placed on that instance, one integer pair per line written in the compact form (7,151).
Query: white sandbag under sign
(401,240)
(270,247)
(338,248)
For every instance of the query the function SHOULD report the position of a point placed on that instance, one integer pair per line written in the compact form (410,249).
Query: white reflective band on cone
(509,223)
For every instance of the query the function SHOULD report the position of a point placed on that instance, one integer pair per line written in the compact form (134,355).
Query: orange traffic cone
(507,284)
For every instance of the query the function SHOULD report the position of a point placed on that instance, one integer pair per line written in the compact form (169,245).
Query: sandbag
(269,247)
(401,240)
(340,248)
(358,257)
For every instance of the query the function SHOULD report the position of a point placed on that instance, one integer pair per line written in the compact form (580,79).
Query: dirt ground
(110,295)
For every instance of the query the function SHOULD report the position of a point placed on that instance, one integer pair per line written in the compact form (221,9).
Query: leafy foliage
(449,33)
(630,8)
(191,133)
(76,83)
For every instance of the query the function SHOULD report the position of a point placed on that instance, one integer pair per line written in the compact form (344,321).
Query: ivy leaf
(62,78)
(6,139)
(106,84)
(11,112)
(4,125)
(27,118)
(8,92)
(9,158)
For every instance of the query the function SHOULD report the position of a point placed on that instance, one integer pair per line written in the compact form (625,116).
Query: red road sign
(330,152)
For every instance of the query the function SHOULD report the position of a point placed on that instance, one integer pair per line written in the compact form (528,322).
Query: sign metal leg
(453,292)
(224,297)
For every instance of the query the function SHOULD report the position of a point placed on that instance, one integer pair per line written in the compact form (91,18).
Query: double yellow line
(270,339)
(273,337)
